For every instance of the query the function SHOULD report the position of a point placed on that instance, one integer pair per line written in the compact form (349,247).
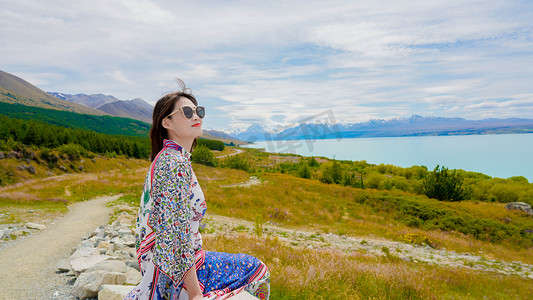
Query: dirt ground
(28,265)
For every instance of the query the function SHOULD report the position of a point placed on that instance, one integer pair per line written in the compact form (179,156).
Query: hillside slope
(16,90)
(102,124)
(136,109)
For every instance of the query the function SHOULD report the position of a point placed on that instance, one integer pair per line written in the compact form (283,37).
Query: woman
(169,245)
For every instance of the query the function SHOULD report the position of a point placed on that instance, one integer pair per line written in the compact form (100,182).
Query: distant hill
(101,124)
(16,90)
(221,136)
(137,108)
(94,100)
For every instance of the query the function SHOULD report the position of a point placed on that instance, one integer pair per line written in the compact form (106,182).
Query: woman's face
(178,126)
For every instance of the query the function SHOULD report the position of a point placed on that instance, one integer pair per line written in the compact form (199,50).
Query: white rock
(63,265)
(83,263)
(109,266)
(103,244)
(6,233)
(118,243)
(129,241)
(113,292)
(123,232)
(133,277)
(18,232)
(110,233)
(88,284)
(83,251)
(133,264)
(35,226)
(87,244)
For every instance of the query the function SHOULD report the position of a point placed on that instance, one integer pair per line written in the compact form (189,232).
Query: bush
(210,144)
(443,184)
(304,171)
(204,156)
(504,193)
(48,156)
(236,162)
(73,151)
(374,181)
(312,162)
(331,173)
(350,179)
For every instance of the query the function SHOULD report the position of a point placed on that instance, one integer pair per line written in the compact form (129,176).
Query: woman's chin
(199,132)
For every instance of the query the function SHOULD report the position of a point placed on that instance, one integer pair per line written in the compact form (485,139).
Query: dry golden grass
(307,204)
(317,274)
(51,194)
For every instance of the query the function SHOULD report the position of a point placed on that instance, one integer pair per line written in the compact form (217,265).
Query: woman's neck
(186,143)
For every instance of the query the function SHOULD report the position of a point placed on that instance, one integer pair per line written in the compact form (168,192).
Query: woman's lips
(197,125)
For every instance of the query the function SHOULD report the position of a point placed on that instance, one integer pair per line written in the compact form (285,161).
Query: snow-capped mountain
(137,108)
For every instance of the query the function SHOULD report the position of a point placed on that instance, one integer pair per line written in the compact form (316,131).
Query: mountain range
(413,126)
(137,108)
(15,90)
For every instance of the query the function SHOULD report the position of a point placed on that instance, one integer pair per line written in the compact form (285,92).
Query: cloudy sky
(277,62)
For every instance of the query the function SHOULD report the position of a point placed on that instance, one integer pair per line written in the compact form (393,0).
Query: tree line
(39,134)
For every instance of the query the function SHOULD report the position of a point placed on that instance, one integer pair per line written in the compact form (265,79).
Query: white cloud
(295,58)
(119,76)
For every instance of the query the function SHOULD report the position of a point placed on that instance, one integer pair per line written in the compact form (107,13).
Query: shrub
(331,173)
(350,179)
(304,171)
(48,156)
(204,156)
(504,193)
(73,151)
(443,184)
(210,144)
(374,181)
(237,162)
(312,162)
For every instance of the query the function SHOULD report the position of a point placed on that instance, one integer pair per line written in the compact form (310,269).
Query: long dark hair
(163,108)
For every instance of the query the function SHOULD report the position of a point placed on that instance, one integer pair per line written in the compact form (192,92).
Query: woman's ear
(166,123)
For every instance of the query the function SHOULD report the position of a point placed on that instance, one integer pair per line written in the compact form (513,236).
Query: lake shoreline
(496,155)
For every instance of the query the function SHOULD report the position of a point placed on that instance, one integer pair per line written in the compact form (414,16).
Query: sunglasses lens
(187,112)
(200,112)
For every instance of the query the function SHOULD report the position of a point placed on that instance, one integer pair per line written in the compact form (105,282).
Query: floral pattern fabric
(169,243)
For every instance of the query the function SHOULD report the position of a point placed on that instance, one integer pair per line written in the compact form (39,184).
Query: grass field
(291,202)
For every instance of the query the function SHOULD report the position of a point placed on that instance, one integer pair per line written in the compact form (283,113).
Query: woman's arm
(191,284)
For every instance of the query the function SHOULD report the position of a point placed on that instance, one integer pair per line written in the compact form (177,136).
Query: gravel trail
(28,265)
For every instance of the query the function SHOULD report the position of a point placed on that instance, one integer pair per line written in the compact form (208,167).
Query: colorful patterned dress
(169,243)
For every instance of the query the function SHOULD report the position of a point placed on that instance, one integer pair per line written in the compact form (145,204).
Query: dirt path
(238,151)
(27,266)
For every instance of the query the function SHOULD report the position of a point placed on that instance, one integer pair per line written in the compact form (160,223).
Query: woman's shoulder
(170,160)
(173,156)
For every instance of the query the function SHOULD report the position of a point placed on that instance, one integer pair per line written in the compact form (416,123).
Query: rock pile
(12,231)
(104,263)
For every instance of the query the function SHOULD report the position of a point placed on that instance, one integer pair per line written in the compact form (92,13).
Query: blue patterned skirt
(220,275)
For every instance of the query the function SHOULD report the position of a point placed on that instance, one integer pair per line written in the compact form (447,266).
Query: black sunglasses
(188,112)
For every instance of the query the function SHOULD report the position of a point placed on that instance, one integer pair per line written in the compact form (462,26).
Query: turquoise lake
(502,155)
